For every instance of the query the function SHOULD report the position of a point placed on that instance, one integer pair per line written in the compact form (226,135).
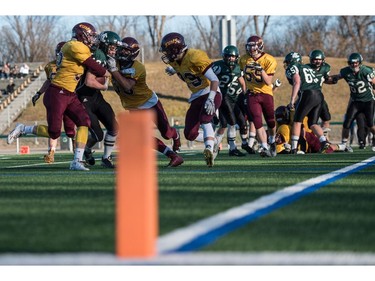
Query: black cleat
(236,152)
(90,160)
(248,149)
(107,163)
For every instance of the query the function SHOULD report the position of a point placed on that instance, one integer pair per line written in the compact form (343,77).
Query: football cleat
(18,131)
(216,149)
(362,145)
(264,152)
(209,156)
(107,163)
(176,160)
(348,149)
(329,149)
(176,143)
(273,149)
(293,151)
(236,152)
(78,166)
(50,157)
(248,149)
(325,147)
(90,160)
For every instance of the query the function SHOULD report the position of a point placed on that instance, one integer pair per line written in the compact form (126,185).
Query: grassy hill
(337,96)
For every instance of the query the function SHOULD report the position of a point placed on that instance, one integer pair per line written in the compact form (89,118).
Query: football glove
(209,106)
(111,64)
(170,70)
(287,147)
(36,97)
(277,83)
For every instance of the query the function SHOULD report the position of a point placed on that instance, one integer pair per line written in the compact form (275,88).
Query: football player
(96,106)
(60,97)
(361,80)
(303,81)
(194,67)
(363,132)
(259,68)
(308,141)
(69,126)
(232,84)
(129,82)
(322,70)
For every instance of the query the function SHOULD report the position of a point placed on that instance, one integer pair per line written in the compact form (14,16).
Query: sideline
(206,231)
(195,258)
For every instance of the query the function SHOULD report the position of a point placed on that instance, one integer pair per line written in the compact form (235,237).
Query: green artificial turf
(48,208)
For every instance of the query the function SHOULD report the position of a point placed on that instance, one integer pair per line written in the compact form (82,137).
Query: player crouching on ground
(308,142)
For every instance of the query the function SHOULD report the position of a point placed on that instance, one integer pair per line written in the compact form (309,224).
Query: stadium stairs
(11,106)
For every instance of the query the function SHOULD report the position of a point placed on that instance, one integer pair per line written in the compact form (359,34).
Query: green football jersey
(228,79)
(309,81)
(322,73)
(360,83)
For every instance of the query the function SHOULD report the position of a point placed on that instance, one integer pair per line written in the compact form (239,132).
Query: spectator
(14,71)
(24,70)
(6,70)
(10,87)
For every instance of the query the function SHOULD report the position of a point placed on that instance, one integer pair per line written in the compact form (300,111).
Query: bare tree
(250,25)
(209,34)
(357,35)
(303,34)
(29,38)
(119,24)
(155,28)
(155,25)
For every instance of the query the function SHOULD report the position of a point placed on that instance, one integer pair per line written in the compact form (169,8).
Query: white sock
(208,134)
(252,138)
(78,154)
(109,142)
(232,137)
(295,142)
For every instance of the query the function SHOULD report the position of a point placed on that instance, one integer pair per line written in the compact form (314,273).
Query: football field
(291,209)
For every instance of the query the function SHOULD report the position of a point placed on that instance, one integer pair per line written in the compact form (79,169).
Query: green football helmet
(316,58)
(355,61)
(230,51)
(355,57)
(292,58)
(107,39)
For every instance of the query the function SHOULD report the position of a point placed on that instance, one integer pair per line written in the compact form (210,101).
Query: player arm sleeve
(94,67)
(210,75)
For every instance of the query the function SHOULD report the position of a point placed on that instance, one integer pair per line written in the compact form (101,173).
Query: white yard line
(200,258)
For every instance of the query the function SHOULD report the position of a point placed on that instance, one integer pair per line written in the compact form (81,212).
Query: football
(101,80)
